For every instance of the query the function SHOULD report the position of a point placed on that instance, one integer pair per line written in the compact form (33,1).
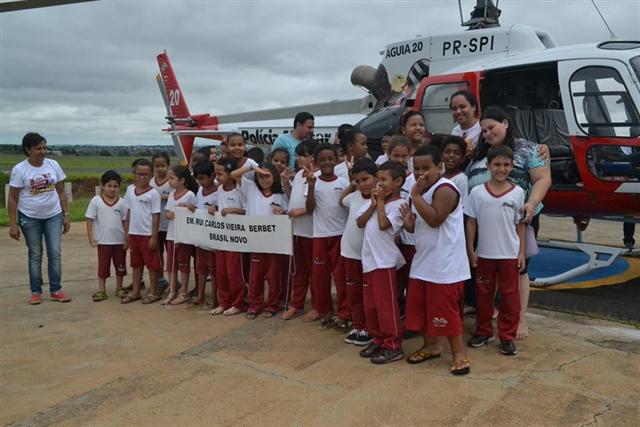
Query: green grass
(77,208)
(85,165)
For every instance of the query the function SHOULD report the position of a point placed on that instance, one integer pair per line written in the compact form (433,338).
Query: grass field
(78,165)
(77,208)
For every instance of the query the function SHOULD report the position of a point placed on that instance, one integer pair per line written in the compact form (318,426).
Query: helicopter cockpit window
(615,162)
(435,106)
(602,103)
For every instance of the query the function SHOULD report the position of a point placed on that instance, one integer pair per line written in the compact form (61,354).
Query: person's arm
(126,223)
(245,169)
(155,225)
(286,177)
(362,220)
(383,220)
(522,230)
(92,240)
(472,226)
(445,200)
(350,189)
(544,153)
(310,203)
(408,218)
(12,209)
(541,182)
(66,225)
(237,211)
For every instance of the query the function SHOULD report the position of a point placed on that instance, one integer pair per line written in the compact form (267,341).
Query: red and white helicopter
(583,101)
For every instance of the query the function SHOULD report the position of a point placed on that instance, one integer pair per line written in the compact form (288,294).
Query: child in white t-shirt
(329,219)
(453,157)
(160,183)
(382,221)
(178,254)
(386,139)
(106,216)
(353,198)
(495,210)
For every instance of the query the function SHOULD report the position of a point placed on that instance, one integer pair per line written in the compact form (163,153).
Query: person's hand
(66,225)
(191,207)
(224,212)
(377,197)
(212,210)
(311,177)
(420,185)
(286,176)
(408,217)
(521,262)
(93,242)
(529,209)
(153,243)
(170,215)
(14,232)
(473,259)
(277,210)
(294,213)
(543,153)
(125,245)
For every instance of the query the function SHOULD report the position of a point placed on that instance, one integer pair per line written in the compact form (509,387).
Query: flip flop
(129,299)
(461,367)
(268,314)
(251,316)
(232,311)
(151,298)
(420,356)
(99,296)
(121,293)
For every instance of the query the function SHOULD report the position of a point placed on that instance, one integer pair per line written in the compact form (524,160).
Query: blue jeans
(33,229)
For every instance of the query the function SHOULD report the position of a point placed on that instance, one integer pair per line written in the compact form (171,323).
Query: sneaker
(508,348)
(162,285)
(371,350)
(35,299)
(479,341)
(387,356)
(363,338)
(352,338)
(60,296)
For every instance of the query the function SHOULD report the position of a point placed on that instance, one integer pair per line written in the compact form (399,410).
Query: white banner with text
(235,233)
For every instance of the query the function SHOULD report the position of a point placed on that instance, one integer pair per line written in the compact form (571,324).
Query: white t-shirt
(381,159)
(163,189)
(329,218)
(470,135)
(379,249)
(187,199)
(230,199)
(206,199)
(441,252)
(38,196)
(406,238)
(496,215)
(259,204)
(141,207)
(107,220)
(302,225)
(460,181)
(351,242)
(342,170)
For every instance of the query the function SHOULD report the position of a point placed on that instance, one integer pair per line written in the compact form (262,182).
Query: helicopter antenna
(613,36)
(460,10)
(484,15)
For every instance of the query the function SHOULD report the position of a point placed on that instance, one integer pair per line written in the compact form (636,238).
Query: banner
(237,233)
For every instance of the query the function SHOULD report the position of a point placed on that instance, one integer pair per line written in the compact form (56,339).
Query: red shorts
(435,308)
(178,257)
(206,262)
(141,255)
(107,253)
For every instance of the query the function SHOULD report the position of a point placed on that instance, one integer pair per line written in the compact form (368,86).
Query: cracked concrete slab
(106,364)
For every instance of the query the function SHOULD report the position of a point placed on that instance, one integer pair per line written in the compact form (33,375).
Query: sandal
(99,296)
(218,310)
(292,313)
(327,324)
(232,311)
(169,298)
(181,299)
(268,314)
(341,327)
(196,302)
(130,298)
(460,367)
(151,298)
(251,315)
(121,293)
(130,287)
(420,356)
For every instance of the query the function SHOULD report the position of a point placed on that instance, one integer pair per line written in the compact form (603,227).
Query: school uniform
(497,251)
(302,242)
(351,253)
(329,220)
(206,258)
(382,158)
(461,183)
(230,271)
(164,189)
(178,254)
(440,267)
(108,232)
(380,260)
(263,265)
(142,206)
(407,246)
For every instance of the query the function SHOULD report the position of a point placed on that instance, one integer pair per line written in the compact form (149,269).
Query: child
(205,259)
(280,159)
(382,222)
(494,209)
(354,147)
(302,223)
(453,156)
(399,151)
(440,266)
(264,196)
(160,183)
(230,277)
(412,127)
(386,139)
(236,148)
(329,220)
(364,181)
(178,254)
(106,215)
(141,229)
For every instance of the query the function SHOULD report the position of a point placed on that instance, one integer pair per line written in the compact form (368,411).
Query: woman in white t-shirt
(37,205)
(464,109)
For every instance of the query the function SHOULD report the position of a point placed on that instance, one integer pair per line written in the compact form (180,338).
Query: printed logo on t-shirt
(41,184)
(439,322)
(275,204)
(145,201)
(118,210)
(341,189)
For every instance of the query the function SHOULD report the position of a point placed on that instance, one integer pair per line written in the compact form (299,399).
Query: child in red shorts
(141,229)
(440,265)
(106,215)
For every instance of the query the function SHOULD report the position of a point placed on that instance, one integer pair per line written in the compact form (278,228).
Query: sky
(85,73)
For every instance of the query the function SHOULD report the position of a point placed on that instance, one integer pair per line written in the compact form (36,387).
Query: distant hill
(95,150)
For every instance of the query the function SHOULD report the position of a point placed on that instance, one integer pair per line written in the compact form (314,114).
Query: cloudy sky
(85,73)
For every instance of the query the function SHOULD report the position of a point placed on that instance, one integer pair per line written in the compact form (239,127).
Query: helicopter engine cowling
(375,81)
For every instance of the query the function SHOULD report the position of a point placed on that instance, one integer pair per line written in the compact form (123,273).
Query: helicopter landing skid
(599,257)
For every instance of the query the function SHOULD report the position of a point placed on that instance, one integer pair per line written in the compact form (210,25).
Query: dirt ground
(83,363)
